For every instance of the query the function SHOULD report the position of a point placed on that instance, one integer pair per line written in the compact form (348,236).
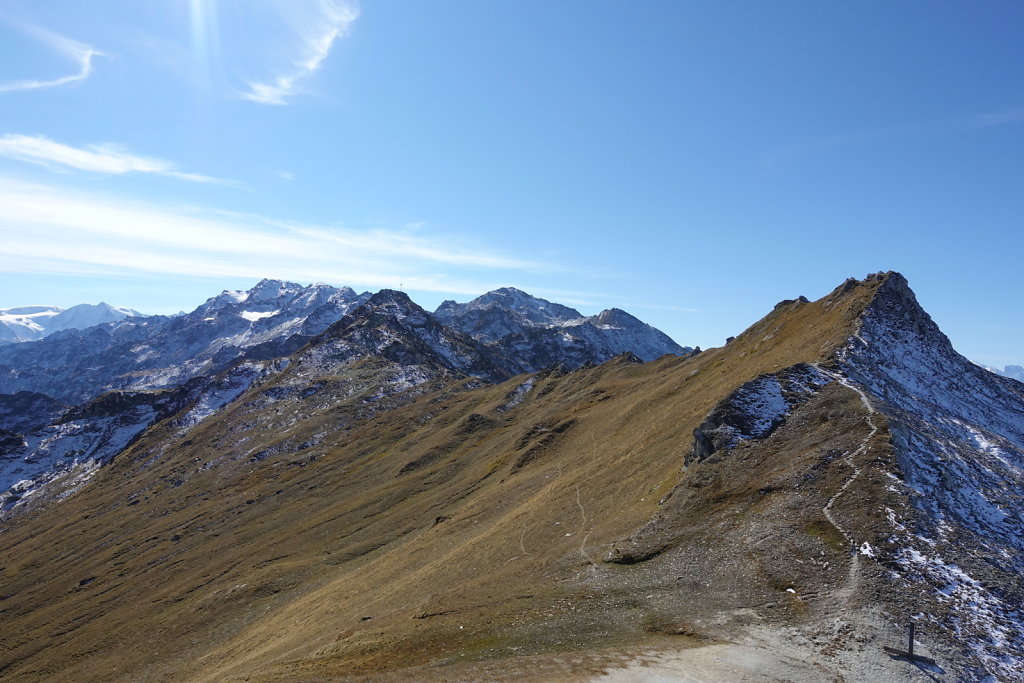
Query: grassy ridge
(463,530)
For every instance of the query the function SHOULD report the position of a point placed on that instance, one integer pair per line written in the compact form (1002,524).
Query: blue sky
(693,163)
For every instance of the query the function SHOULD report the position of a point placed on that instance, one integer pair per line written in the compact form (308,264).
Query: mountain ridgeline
(124,376)
(305,483)
(29,323)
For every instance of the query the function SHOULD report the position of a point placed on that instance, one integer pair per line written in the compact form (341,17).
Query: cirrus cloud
(78,52)
(316,38)
(108,158)
(55,230)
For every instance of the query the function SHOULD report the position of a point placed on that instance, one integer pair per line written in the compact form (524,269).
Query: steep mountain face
(29,323)
(380,503)
(154,367)
(959,434)
(271,320)
(508,310)
(534,333)
(56,449)
(26,410)
(385,354)
(589,340)
(390,325)
(946,529)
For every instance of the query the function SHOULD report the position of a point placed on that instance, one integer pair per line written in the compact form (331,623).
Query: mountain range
(305,483)
(1014,371)
(128,374)
(29,323)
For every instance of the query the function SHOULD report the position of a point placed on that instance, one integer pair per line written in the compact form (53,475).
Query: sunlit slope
(468,524)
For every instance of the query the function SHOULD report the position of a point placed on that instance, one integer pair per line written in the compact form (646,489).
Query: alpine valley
(305,483)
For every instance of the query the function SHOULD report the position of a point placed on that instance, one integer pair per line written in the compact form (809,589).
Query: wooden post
(908,654)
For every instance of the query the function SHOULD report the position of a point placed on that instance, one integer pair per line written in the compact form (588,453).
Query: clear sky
(692,163)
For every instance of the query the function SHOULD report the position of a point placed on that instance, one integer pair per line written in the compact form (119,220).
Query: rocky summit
(305,483)
(535,333)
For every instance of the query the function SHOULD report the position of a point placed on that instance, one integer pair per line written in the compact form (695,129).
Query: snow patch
(516,396)
(253,316)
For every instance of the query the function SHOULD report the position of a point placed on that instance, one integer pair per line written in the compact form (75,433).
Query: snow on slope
(270,320)
(56,460)
(392,326)
(69,449)
(757,408)
(86,315)
(25,323)
(29,323)
(253,316)
(534,333)
(959,434)
(493,315)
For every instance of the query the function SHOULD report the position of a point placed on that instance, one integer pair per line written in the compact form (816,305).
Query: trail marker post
(908,654)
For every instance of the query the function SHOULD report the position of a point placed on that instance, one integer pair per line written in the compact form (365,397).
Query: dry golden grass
(435,533)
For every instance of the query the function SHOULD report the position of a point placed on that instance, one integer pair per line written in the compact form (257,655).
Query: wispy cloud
(332,22)
(790,154)
(45,229)
(1000,117)
(78,52)
(108,158)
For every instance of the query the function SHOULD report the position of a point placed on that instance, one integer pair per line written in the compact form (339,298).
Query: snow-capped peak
(269,290)
(1012,371)
(30,311)
(29,323)
(25,323)
(509,299)
(536,333)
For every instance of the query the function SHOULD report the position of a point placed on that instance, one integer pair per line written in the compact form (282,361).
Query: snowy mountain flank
(296,483)
(538,334)
(271,320)
(959,435)
(29,323)
(246,329)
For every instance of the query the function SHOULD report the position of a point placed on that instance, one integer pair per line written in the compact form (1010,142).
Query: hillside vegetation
(545,526)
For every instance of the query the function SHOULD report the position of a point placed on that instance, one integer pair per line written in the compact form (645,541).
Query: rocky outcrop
(25,410)
(756,409)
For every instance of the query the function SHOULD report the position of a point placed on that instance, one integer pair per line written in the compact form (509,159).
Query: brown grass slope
(433,537)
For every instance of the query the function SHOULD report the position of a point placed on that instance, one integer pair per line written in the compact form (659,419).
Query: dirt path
(723,662)
(772,653)
(853,575)
(850,455)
